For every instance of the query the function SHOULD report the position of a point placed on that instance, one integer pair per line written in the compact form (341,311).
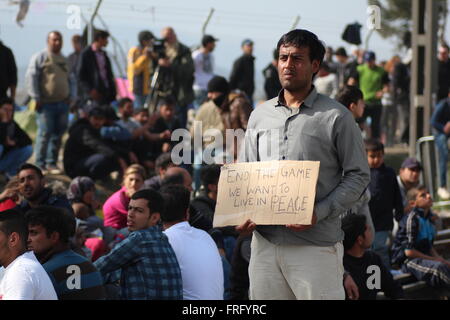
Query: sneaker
(443,193)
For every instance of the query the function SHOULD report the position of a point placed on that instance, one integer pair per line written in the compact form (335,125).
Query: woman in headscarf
(81,194)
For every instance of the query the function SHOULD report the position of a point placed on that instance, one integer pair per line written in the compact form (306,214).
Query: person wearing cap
(224,110)
(440,121)
(140,67)
(345,68)
(373,82)
(242,75)
(204,68)
(408,178)
(85,152)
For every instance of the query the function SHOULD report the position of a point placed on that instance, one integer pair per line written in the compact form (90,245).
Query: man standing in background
(204,68)
(242,75)
(48,84)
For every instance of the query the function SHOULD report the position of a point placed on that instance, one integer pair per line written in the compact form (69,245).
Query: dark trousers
(434,273)
(96,166)
(374,110)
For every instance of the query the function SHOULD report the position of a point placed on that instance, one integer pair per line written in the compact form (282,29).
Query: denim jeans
(11,161)
(441,144)
(52,121)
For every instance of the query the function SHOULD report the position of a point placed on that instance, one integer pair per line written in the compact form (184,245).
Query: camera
(159,48)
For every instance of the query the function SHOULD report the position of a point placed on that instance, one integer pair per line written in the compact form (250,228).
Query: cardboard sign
(268,193)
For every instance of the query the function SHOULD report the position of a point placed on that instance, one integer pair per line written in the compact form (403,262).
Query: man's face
(410,175)
(375,159)
(341,59)
(358,109)
(443,54)
(210,46)
(169,35)
(247,49)
(295,68)
(54,42)
(424,200)
(127,110)
(8,111)
(166,112)
(139,216)
(141,117)
(97,122)
(103,42)
(30,184)
(371,63)
(38,241)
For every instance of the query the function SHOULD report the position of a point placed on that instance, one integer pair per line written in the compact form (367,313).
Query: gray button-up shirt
(320,130)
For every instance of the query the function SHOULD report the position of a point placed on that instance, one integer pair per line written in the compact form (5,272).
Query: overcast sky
(263,21)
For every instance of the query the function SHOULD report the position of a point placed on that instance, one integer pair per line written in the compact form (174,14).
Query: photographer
(141,65)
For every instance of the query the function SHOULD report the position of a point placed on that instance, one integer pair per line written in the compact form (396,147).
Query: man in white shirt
(197,254)
(24,278)
(204,68)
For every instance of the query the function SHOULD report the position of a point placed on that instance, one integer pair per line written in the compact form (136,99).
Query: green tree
(396,19)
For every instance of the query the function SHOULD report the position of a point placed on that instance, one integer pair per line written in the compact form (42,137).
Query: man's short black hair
(155,202)
(167,101)
(29,166)
(124,101)
(172,179)
(210,175)
(145,35)
(353,225)
(301,38)
(349,95)
(5,101)
(53,219)
(100,34)
(374,145)
(276,54)
(176,199)
(12,220)
(163,161)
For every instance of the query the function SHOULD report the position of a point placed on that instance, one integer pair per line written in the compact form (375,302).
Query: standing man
(272,85)
(140,68)
(345,67)
(48,84)
(95,73)
(204,68)
(305,261)
(243,73)
(8,75)
(73,60)
(179,66)
(373,82)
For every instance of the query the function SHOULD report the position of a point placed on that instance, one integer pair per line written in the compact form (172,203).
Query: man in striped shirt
(73,276)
